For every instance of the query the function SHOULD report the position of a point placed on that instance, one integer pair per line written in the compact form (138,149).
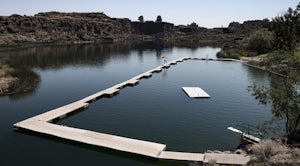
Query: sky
(206,13)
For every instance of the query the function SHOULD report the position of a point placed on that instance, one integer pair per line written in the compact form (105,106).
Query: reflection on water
(25,81)
(27,84)
(165,73)
(156,109)
(60,56)
(56,57)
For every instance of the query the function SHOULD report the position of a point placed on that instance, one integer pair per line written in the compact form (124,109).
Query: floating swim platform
(195,92)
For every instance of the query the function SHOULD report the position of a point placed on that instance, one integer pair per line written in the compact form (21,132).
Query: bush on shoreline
(269,152)
(260,41)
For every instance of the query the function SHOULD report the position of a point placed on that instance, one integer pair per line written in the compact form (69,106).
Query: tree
(266,23)
(194,25)
(260,41)
(141,18)
(298,20)
(285,31)
(283,94)
(285,99)
(158,18)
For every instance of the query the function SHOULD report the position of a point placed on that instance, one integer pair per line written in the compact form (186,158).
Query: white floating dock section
(237,159)
(181,156)
(140,147)
(247,136)
(195,92)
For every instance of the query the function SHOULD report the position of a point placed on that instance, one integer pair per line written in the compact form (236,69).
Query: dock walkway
(42,124)
(146,148)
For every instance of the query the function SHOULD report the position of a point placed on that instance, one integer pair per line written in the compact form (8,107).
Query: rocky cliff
(152,28)
(60,27)
(54,27)
(245,27)
(73,27)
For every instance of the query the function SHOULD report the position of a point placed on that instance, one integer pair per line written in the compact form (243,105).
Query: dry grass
(5,69)
(255,59)
(270,152)
(267,149)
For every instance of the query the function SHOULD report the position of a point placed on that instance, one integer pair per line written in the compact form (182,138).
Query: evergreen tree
(158,18)
(141,18)
(285,31)
(194,25)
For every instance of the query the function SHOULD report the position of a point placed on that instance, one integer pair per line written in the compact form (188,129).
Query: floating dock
(246,136)
(42,124)
(229,159)
(195,92)
(182,156)
(135,146)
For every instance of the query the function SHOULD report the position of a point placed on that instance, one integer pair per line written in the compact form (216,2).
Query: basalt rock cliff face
(152,28)
(245,27)
(60,27)
(55,27)
(73,27)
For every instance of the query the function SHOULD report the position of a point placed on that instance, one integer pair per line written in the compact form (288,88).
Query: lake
(154,110)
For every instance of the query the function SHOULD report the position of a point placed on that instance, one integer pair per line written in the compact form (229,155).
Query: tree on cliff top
(193,25)
(158,18)
(141,18)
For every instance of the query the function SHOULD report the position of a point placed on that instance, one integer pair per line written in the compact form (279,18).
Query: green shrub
(260,41)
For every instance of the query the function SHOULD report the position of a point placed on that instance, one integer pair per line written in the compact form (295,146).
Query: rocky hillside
(54,27)
(245,27)
(73,27)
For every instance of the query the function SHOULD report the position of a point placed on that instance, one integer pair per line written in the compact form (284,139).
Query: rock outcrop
(53,27)
(62,27)
(73,27)
(245,27)
(152,28)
